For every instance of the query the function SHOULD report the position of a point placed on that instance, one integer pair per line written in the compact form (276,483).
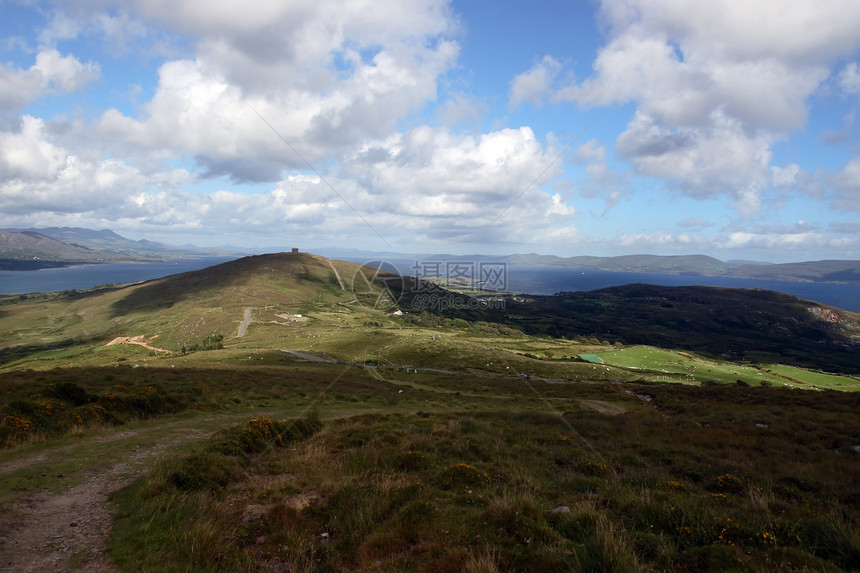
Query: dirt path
(244,326)
(336,275)
(68,531)
(60,532)
(138,340)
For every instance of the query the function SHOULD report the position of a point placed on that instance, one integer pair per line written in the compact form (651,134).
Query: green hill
(277,413)
(185,308)
(736,324)
(270,291)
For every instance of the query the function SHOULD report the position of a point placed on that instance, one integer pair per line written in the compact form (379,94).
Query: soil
(138,340)
(67,530)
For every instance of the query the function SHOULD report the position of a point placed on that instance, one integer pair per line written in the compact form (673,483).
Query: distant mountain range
(846,271)
(30,249)
(838,271)
(25,249)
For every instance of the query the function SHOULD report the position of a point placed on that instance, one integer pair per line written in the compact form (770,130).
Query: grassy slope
(426,470)
(437,472)
(756,325)
(181,309)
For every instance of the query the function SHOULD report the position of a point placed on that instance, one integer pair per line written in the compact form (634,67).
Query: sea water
(533,280)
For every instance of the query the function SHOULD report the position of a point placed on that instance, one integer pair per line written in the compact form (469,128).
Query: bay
(551,280)
(88,276)
(540,280)
(532,280)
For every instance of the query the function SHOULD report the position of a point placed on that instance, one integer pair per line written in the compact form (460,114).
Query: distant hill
(26,249)
(843,271)
(814,271)
(31,250)
(739,324)
(847,271)
(681,264)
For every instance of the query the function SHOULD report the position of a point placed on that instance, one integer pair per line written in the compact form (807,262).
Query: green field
(689,368)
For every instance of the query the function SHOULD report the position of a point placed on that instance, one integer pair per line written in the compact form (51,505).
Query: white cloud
(535,84)
(716,84)
(61,27)
(308,42)
(460,186)
(27,154)
(601,180)
(429,159)
(591,150)
(461,109)
(849,79)
(847,185)
(723,158)
(642,242)
(426,184)
(51,72)
(785,176)
(325,77)
(745,240)
(64,73)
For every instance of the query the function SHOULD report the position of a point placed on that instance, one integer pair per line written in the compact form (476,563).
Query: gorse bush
(57,408)
(213,342)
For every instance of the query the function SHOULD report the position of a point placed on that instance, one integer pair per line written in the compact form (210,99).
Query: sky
(726,128)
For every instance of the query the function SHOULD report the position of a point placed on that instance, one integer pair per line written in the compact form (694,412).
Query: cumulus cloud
(722,158)
(849,79)
(323,78)
(298,41)
(591,150)
(61,27)
(426,184)
(601,180)
(660,240)
(847,185)
(785,176)
(462,110)
(745,240)
(52,72)
(800,236)
(461,185)
(716,85)
(27,155)
(535,84)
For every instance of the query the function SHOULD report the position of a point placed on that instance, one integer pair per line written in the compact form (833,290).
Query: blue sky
(726,128)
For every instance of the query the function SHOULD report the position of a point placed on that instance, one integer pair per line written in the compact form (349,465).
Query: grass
(468,446)
(794,375)
(512,490)
(668,365)
(451,472)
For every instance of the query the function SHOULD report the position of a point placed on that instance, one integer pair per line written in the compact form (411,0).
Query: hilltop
(179,309)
